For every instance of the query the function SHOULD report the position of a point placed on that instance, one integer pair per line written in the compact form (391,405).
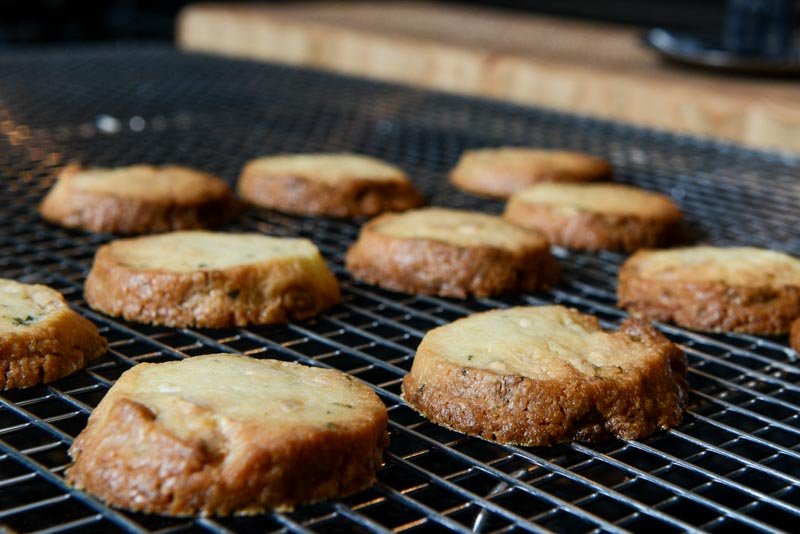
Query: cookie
(335,185)
(208,279)
(223,434)
(737,289)
(794,337)
(138,199)
(500,172)
(595,216)
(451,253)
(41,338)
(546,375)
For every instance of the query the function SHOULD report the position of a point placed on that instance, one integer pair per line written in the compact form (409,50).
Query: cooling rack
(733,464)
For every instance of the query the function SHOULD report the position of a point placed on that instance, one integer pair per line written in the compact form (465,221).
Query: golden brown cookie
(595,216)
(138,199)
(451,253)
(336,185)
(794,337)
(547,375)
(224,434)
(500,172)
(736,289)
(209,279)
(41,338)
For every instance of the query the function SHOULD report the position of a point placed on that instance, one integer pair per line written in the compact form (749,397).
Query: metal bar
(43,472)
(71,525)
(473,498)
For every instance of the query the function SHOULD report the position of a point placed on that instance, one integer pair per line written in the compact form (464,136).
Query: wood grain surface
(595,69)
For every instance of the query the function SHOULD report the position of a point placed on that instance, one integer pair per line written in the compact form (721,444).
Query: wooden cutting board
(594,69)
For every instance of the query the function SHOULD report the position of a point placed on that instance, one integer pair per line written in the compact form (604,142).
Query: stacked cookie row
(145,199)
(531,376)
(547,190)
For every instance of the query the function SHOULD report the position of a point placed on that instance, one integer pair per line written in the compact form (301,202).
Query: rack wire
(732,464)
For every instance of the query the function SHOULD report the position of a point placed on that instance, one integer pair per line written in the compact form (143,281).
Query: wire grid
(732,464)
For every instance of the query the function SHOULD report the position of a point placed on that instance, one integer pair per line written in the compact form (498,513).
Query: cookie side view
(596,216)
(736,289)
(209,279)
(223,434)
(336,185)
(451,253)
(501,172)
(545,375)
(794,337)
(41,338)
(138,199)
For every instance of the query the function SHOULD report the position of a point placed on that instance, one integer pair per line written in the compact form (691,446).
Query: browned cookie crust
(41,338)
(745,290)
(466,379)
(193,200)
(420,264)
(365,187)
(292,285)
(794,338)
(187,443)
(593,219)
(501,172)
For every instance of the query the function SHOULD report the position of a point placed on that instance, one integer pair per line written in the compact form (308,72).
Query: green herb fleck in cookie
(23,321)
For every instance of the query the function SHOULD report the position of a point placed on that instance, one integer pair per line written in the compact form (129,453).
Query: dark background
(48,21)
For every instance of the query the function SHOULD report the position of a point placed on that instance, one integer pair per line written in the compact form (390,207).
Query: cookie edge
(447,270)
(707,306)
(98,212)
(491,413)
(158,297)
(355,198)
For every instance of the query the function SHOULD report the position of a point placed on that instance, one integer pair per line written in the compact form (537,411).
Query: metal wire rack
(733,464)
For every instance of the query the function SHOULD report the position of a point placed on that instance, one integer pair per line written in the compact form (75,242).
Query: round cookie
(500,172)
(595,216)
(41,338)
(794,336)
(209,279)
(138,199)
(451,253)
(336,185)
(545,375)
(223,434)
(736,289)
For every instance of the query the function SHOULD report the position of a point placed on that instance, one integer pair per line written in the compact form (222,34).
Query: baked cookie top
(544,375)
(456,227)
(330,169)
(541,343)
(195,397)
(210,279)
(735,266)
(168,183)
(24,305)
(189,251)
(41,338)
(500,172)
(544,161)
(612,199)
(222,434)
